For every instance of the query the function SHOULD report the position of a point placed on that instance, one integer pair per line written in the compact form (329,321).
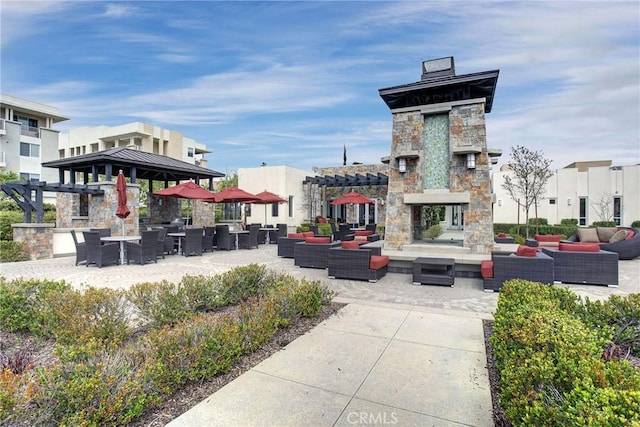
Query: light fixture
(569,202)
(471,160)
(499,202)
(402,165)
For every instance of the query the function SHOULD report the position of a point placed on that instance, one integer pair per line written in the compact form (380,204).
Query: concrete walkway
(398,354)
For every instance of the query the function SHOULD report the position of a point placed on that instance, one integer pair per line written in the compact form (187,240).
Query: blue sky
(291,83)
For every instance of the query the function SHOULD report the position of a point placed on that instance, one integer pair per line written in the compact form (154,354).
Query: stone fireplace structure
(439,154)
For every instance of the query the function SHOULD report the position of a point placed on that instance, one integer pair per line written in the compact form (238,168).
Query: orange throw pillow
(526,251)
(350,244)
(486,269)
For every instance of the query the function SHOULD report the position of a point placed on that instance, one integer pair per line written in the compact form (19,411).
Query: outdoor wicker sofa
(628,248)
(359,264)
(503,266)
(285,244)
(572,264)
(313,252)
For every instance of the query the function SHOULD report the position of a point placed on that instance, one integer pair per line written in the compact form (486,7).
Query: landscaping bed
(146,355)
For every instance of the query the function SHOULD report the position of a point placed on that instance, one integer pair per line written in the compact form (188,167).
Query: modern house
(139,136)
(28,138)
(587,191)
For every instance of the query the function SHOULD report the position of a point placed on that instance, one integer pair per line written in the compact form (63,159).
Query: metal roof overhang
(443,89)
(357,180)
(147,166)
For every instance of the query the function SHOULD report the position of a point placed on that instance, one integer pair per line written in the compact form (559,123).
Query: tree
(603,207)
(526,182)
(7,177)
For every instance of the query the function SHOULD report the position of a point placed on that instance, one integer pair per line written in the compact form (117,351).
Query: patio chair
(529,265)
(343,231)
(584,263)
(313,252)
(164,245)
(224,242)
(371,227)
(173,229)
(144,251)
(352,262)
(275,234)
(98,253)
(104,232)
(192,242)
(207,239)
(81,249)
(285,244)
(249,240)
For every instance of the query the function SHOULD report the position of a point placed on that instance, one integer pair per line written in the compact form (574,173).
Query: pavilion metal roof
(135,164)
(441,89)
(356,180)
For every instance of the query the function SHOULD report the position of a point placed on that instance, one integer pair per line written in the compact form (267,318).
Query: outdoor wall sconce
(568,202)
(402,165)
(471,160)
(499,202)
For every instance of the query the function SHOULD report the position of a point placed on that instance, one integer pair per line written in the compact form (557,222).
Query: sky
(294,83)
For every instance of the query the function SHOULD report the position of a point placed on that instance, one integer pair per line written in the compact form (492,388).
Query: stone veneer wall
(162,209)
(466,129)
(36,239)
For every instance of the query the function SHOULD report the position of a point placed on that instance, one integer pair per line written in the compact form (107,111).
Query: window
(26,121)
(190,152)
(617,210)
(552,201)
(290,206)
(24,176)
(582,220)
(29,150)
(274,209)
(247,209)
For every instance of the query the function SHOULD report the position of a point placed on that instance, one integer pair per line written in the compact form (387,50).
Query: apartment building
(27,138)
(141,136)
(587,191)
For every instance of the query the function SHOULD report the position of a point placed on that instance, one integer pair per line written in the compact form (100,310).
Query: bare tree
(603,206)
(528,178)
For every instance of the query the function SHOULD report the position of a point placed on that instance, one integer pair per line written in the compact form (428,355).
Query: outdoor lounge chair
(207,239)
(583,263)
(192,242)
(285,244)
(81,249)
(534,266)
(313,252)
(275,234)
(627,248)
(164,244)
(98,253)
(146,250)
(359,264)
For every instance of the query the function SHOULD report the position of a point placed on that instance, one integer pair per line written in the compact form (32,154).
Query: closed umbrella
(121,188)
(267,198)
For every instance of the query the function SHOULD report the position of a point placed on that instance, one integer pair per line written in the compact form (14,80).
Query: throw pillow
(350,244)
(605,233)
(321,240)
(618,236)
(502,234)
(589,235)
(526,251)
(486,269)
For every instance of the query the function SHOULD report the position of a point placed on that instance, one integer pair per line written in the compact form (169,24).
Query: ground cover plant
(114,355)
(563,360)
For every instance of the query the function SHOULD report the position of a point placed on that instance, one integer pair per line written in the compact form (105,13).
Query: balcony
(3,159)
(3,130)
(30,131)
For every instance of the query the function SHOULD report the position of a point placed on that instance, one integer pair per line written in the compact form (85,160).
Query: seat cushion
(548,238)
(502,234)
(363,233)
(360,238)
(486,269)
(378,261)
(605,233)
(308,234)
(295,235)
(350,244)
(317,240)
(580,247)
(524,250)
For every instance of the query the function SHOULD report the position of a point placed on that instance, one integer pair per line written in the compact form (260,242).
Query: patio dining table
(122,240)
(179,235)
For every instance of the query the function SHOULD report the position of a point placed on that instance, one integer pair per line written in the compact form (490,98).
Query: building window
(552,201)
(582,220)
(290,206)
(29,150)
(29,176)
(190,152)
(274,209)
(84,205)
(617,210)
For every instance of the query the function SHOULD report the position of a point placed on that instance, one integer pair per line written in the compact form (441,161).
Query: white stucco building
(587,191)
(27,138)
(284,181)
(141,136)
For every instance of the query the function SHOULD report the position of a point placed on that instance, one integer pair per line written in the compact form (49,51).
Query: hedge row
(105,374)
(553,352)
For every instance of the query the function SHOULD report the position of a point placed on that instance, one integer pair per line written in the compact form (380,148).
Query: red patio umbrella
(186,190)
(121,188)
(352,197)
(267,198)
(234,195)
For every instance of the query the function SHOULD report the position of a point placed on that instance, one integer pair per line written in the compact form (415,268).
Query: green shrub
(552,369)
(22,303)
(539,221)
(242,282)
(11,251)
(573,222)
(603,224)
(325,229)
(433,232)
(74,317)
(636,224)
(308,298)
(161,303)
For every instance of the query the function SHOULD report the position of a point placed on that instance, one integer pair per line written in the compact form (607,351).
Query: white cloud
(118,10)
